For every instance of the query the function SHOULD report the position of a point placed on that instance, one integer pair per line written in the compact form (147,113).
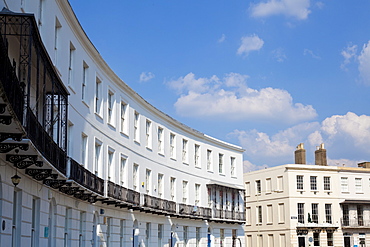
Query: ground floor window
(316,239)
(330,239)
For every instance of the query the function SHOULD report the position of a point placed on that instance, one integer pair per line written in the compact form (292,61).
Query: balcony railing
(13,88)
(85,178)
(354,223)
(229,215)
(123,194)
(44,143)
(159,204)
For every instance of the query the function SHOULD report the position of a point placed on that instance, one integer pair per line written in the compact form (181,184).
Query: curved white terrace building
(99,165)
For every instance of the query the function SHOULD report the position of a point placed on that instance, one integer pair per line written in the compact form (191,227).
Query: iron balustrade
(159,204)
(123,194)
(354,223)
(85,178)
(44,143)
(13,89)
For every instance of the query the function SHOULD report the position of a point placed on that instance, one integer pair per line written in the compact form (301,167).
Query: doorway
(301,242)
(347,241)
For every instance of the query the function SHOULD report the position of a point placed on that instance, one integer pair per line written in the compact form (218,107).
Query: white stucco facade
(308,205)
(133,176)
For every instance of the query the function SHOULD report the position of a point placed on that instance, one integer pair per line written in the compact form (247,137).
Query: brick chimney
(320,156)
(300,154)
(364,164)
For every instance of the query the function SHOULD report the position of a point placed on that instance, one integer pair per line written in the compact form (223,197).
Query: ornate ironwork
(25,164)
(2,108)
(7,120)
(7,147)
(69,190)
(85,178)
(55,183)
(15,158)
(14,136)
(41,174)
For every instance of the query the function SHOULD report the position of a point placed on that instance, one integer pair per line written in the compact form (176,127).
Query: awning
(226,185)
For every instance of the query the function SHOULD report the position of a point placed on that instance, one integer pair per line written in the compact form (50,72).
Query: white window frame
(98,95)
(110,108)
(123,118)
(197,155)
(184,151)
(344,184)
(122,170)
(160,140)
(84,149)
(136,127)
(232,166)
(148,133)
(209,160)
(135,176)
(172,145)
(185,191)
(110,157)
(221,163)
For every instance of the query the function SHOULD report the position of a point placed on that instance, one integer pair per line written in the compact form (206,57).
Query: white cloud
(309,52)
(346,138)
(249,167)
(250,43)
(279,55)
(349,54)
(146,76)
(298,9)
(364,64)
(275,149)
(222,39)
(230,98)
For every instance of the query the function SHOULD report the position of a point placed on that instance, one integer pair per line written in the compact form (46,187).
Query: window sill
(269,223)
(222,174)
(72,89)
(149,149)
(83,101)
(210,171)
(360,192)
(124,134)
(345,192)
(136,142)
(111,125)
(161,154)
(97,114)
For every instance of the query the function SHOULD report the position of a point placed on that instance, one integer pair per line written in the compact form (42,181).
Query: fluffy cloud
(249,167)
(250,43)
(364,64)
(231,98)
(146,76)
(346,138)
(349,53)
(276,149)
(298,9)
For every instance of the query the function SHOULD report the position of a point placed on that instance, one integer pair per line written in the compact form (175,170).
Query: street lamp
(16,179)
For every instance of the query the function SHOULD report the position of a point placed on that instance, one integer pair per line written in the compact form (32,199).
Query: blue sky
(265,75)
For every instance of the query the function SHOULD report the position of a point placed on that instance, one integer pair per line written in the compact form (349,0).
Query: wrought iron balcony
(85,178)
(355,223)
(159,204)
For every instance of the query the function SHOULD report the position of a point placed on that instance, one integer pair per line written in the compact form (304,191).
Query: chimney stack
(364,164)
(320,156)
(300,155)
